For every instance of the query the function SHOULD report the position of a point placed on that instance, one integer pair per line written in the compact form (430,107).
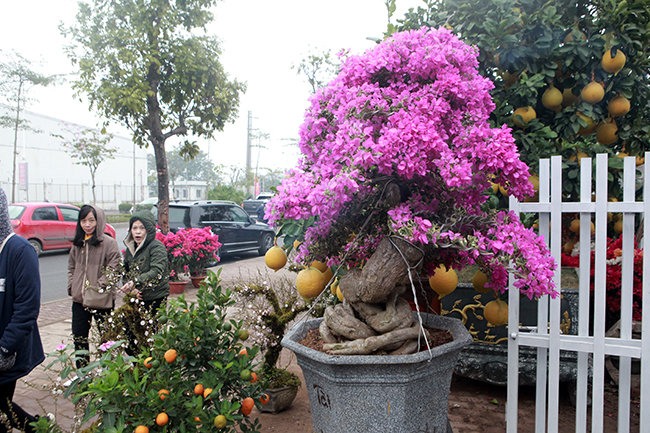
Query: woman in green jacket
(146,266)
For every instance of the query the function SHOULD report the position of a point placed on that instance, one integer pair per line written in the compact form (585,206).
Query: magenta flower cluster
(413,109)
(189,250)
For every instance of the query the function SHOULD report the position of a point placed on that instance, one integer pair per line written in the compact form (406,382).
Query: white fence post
(548,339)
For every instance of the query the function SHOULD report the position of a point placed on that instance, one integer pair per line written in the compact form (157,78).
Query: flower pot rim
(455,327)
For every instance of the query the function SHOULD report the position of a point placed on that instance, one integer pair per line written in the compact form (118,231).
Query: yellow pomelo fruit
(275,258)
(296,244)
(496,312)
(443,281)
(551,98)
(581,155)
(333,287)
(575,35)
(328,274)
(591,124)
(618,106)
(478,281)
(593,228)
(509,79)
(618,226)
(526,113)
(606,133)
(575,226)
(593,93)
(568,246)
(613,65)
(640,160)
(319,265)
(535,181)
(495,187)
(568,98)
(339,294)
(310,283)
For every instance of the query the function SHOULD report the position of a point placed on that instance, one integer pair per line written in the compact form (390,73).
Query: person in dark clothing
(21,349)
(260,213)
(145,260)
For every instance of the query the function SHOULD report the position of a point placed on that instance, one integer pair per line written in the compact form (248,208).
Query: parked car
(253,206)
(47,226)
(146,204)
(238,231)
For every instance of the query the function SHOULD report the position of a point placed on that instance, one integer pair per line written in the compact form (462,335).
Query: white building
(45,171)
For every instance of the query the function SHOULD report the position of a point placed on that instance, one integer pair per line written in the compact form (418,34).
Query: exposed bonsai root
(341,321)
(409,347)
(384,271)
(369,345)
(396,314)
(325,333)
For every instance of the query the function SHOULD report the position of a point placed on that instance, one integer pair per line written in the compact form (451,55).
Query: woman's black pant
(17,417)
(81,320)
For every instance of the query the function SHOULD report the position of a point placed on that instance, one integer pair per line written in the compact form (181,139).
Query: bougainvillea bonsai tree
(398,155)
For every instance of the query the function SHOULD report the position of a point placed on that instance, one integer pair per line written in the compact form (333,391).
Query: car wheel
(37,246)
(267,243)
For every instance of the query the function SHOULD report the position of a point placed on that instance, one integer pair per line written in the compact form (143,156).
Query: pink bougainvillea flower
(413,111)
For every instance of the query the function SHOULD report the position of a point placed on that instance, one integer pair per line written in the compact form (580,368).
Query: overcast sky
(261,40)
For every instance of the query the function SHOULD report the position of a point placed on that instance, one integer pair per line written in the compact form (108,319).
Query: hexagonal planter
(388,394)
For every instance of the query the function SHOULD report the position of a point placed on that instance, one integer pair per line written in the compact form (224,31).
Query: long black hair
(80,234)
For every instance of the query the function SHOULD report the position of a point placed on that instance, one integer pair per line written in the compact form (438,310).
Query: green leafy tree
(197,168)
(90,147)
(17,78)
(551,84)
(143,65)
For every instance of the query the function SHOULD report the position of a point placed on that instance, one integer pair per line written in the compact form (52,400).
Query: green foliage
(526,46)
(142,65)
(124,207)
(126,392)
(226,192)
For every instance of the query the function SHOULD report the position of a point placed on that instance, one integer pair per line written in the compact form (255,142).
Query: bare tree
(16,79)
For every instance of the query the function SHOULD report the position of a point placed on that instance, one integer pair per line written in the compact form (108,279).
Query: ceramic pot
(177,287)
(196,280)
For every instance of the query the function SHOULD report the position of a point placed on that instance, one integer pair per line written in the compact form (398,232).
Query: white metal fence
(591,347)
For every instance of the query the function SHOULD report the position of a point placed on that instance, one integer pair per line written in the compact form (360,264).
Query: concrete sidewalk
(55,327)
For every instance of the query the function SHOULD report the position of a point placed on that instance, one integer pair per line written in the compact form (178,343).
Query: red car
(47,226)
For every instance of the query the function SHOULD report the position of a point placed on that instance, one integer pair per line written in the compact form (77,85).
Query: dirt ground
(474,407)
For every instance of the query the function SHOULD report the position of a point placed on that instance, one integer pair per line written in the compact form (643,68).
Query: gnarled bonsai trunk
(373,316)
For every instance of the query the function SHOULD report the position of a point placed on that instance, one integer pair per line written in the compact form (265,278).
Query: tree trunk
(92,177)
(373,316)
(157,139)
(13,179)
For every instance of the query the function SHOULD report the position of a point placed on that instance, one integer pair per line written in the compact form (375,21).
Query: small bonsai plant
(198,375)
(269,306)
(398,156)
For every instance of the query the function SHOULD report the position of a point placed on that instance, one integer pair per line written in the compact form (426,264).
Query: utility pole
(248,147)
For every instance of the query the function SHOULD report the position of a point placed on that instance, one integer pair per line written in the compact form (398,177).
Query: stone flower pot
(388,394)
(280,399)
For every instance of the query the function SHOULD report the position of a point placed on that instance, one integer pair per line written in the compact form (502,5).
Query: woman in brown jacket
(93,252)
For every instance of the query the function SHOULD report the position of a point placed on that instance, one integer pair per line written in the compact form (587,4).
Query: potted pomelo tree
(398,155)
